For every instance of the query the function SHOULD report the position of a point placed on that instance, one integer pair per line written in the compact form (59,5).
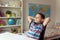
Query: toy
(1,13)
(8,13)
(11,21)
(2,22)
(13,14)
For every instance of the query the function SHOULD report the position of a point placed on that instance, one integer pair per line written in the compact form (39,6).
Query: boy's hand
(30,19)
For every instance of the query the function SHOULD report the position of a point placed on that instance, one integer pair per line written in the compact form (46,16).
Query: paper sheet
(10,36)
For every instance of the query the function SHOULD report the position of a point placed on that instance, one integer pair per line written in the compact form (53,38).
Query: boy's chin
(37,22)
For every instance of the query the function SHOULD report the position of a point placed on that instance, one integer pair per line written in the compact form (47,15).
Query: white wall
(57,10)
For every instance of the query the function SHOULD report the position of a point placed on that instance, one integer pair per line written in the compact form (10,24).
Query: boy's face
(38,18)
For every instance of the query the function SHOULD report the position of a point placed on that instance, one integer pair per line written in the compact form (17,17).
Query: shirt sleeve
(30,23)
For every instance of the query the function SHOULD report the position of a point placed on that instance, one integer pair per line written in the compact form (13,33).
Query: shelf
(16,7)
(9,7)
(10,26)
(10,17)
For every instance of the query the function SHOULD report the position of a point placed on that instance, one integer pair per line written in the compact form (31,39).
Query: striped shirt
(35,30)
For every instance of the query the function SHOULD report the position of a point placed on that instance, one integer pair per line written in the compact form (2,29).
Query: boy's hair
(42,15)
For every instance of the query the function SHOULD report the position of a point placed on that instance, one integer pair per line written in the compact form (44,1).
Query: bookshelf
(11,14)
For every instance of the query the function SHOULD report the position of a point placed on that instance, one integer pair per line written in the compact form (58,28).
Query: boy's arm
(46,21)
(30,19)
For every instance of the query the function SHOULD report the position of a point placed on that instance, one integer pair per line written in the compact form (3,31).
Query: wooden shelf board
(10,17)
(10,26)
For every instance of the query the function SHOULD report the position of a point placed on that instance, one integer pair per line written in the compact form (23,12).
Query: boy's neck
(38,22)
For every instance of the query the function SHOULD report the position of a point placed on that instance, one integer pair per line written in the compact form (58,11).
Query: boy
(36,25)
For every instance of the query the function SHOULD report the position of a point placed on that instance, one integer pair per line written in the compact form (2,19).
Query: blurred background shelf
(10,7)
(10,26)
(11,12)
(10,17)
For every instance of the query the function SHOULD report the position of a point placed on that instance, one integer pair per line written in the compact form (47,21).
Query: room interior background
(55,14)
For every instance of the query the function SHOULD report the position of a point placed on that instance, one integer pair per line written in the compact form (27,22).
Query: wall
(57,10)
(45,2)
